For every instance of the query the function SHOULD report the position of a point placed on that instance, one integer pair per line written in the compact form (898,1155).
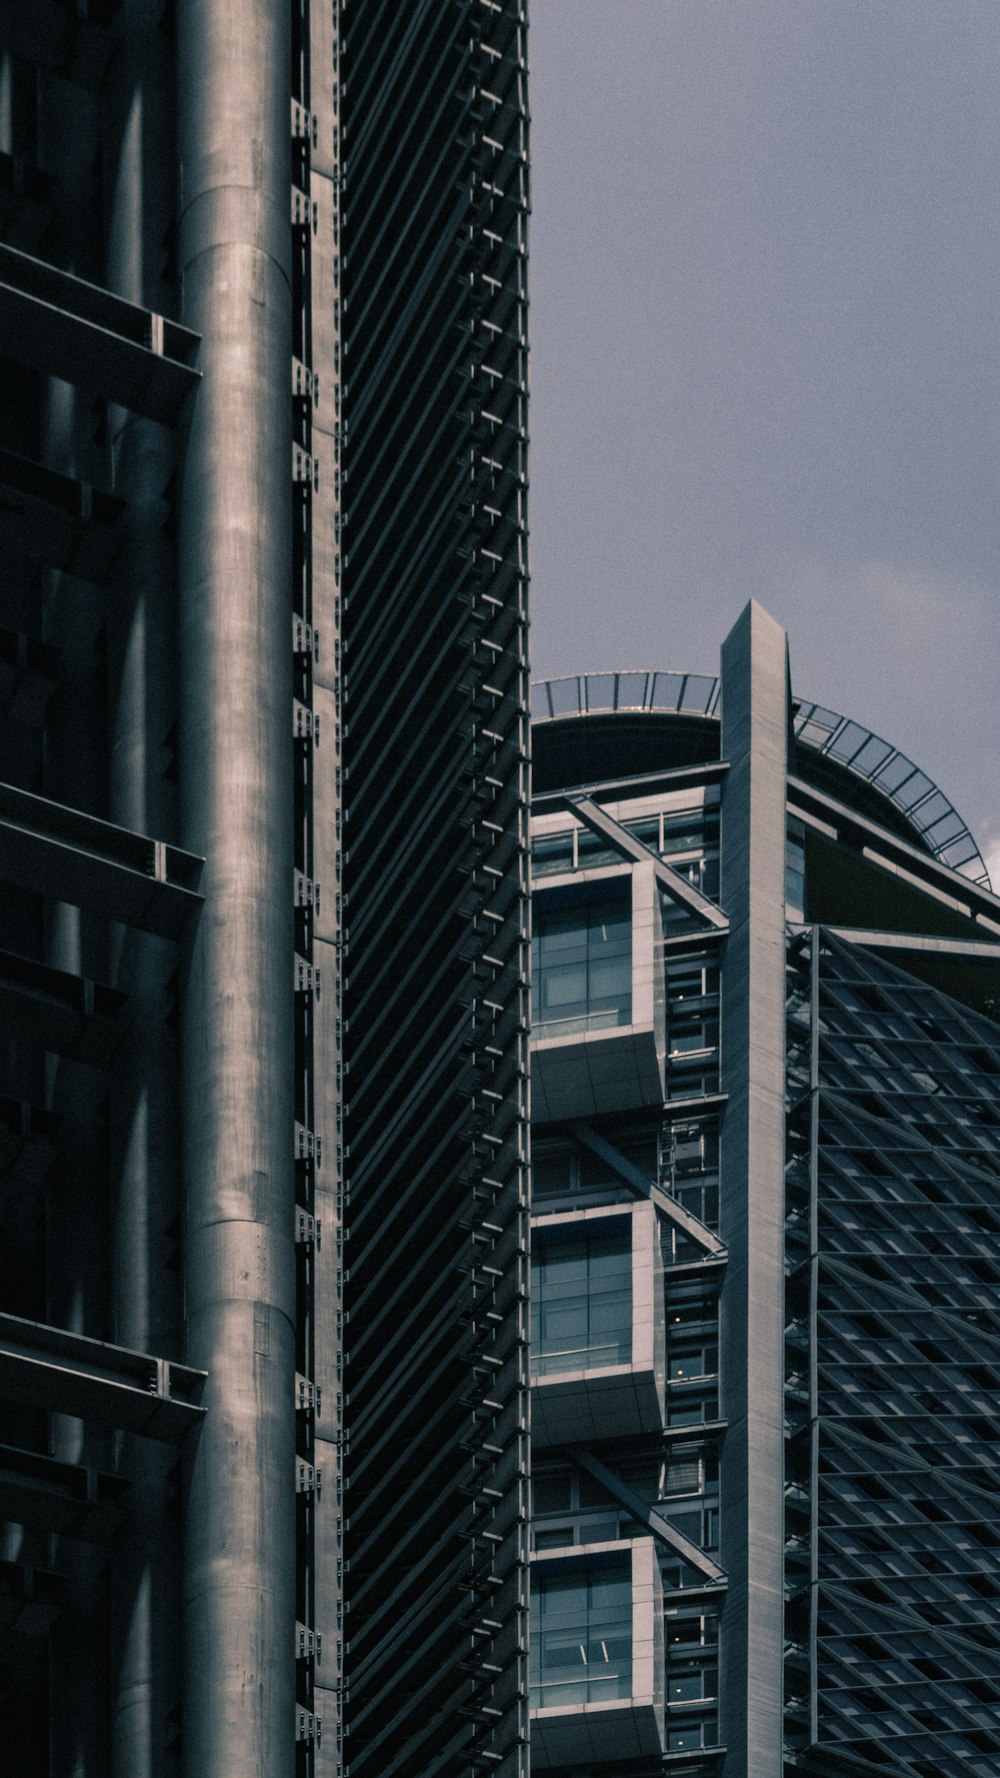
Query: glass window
(675,915)
(551,1174)
(593,849)
(646,829)
(553,1537)
(685,1740)
(581,1638)
(551,852)
(689,1035)
(604,1530)
(683,1687)
(795,871)
(581,1302)
(582,968)
(551,1490)
(690,830)
(701,1198)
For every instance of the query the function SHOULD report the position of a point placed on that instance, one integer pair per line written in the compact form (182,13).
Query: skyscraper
(263,325)
(765,1243)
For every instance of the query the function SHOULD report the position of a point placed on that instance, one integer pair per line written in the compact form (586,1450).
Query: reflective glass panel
(581,1302)
(581,1638)
(582,968)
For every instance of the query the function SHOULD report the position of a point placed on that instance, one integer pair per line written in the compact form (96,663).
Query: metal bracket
(306,892)
(305,640)
(305,126)
(308,1478)
(305,723)
(305,213)
(308,1146)
(306,976)
(307,1228)
(307,1726)
(305,469)
(305,384)
(308,1395)
(654,1521)
(308,1643)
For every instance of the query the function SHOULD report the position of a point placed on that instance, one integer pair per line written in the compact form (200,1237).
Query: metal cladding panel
(893,1552)
(434,213)
(754,740)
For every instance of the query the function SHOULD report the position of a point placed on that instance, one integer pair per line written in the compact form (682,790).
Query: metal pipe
(76,1204)
(235,766)
(140,198)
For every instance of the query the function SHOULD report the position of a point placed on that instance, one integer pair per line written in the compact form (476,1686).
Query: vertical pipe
(76,1200)
(140,202)
(235,764)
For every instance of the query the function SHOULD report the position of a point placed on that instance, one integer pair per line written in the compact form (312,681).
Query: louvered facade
(435,884)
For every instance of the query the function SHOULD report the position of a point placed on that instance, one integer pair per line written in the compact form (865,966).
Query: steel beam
(68,328)
(894,855)
(61,1012)
(676,886)
(69,1499)
(656,1522)
(72,857)
(637,1182)
(57,521)
(67,1373)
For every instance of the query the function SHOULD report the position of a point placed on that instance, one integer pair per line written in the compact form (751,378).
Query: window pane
(582,1303)
(582,1646)
(551,852)
(582,967)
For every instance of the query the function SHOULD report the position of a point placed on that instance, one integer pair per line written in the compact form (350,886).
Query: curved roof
(926,810)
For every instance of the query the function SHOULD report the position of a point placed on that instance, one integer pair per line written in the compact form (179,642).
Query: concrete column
(142,671)
(235,774)
(754,741)
(327,1304)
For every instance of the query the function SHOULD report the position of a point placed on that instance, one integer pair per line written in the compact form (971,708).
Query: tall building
(765,1240)
(263,1226)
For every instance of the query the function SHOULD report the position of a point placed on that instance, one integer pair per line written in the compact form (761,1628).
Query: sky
(765,334)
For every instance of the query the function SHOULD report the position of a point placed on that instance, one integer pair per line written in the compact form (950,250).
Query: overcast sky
(766,352)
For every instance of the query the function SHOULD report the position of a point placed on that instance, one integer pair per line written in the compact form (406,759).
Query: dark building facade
(263,1225)
(765,1240)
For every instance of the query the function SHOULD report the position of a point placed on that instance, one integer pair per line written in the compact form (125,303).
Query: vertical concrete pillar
(235,773)
(754,741)
(327,1262)
(140,164)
